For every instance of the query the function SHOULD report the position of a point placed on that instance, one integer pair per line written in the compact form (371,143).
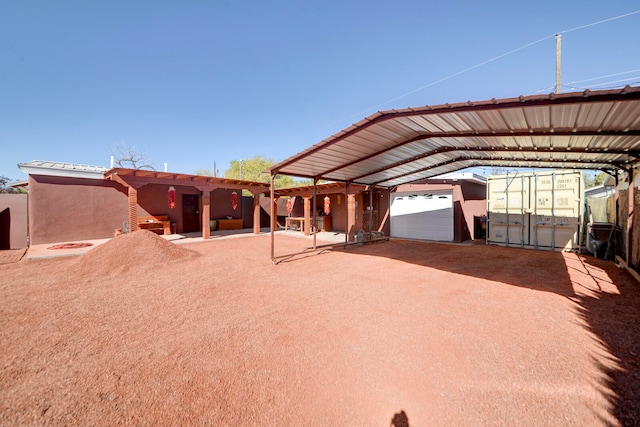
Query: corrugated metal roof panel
(599,129)
(73,170)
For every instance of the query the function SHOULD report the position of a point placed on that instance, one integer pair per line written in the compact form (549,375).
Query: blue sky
(196,82)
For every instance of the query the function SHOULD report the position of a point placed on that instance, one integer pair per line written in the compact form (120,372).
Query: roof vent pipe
(112,160)
(166,166)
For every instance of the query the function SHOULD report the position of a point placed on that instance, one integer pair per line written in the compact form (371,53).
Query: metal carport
(580,130)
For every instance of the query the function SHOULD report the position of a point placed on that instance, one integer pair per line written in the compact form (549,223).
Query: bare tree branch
(130,157)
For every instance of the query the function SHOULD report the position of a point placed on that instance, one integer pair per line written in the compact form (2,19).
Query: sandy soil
(143,332)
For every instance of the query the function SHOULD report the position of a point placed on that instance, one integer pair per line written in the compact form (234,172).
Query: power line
(569,84)
(450,76)
(605,77)
(605,84)
(600,22)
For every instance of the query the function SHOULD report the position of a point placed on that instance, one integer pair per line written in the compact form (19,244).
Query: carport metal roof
(580,130)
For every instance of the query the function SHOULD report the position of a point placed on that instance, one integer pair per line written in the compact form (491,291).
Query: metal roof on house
(73,170)
(580,130)
(461,176)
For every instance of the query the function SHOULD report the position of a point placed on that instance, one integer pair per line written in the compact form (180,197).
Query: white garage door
(422,215)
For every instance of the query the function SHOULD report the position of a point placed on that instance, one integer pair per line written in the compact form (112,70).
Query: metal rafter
(588,164)
(591,128)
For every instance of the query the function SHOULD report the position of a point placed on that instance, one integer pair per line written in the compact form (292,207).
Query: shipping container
(541,210)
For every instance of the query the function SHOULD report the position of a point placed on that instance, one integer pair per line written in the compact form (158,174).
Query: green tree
(204,172)
(592,179)
(306,182)
(208,172)
(600,178)
(253,170)
(4,187)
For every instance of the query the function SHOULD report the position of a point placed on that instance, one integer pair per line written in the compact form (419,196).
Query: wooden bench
(229,224)
(155,223)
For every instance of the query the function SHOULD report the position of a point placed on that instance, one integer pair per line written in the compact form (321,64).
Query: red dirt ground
(143,332)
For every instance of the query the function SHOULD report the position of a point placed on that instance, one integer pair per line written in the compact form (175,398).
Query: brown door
(190,213)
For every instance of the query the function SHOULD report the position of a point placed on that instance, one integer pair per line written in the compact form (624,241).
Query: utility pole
(558,63)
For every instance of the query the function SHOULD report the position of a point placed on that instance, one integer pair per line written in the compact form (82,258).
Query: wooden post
(346,213)
(315,211)
(307,216)
(133,209)
(256,213)
(206,215)
(274,217)
(351,212)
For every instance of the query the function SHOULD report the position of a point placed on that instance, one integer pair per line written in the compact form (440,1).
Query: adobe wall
(70,209)
(247,213)
(153,200)
(623,217)
(338,212)
(16,221)
(473,204)
(380,200)
(221,205)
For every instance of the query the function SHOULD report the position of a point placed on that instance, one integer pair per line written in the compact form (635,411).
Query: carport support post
(315,209)
(132,194)
(206,216)
(617,201)
(272,216)
(630,191)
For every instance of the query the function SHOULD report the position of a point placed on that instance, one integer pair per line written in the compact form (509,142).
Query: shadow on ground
(613,318)
(539,270)
(606,297)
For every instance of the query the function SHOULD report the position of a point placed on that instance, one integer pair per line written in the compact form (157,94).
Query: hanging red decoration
(234,200)
(290,205)
(327,205)
(171,196)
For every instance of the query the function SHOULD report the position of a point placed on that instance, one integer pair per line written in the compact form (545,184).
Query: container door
(508,210)
(557,204)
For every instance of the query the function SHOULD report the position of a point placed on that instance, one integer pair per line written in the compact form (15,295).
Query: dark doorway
(5,229)
(190,213)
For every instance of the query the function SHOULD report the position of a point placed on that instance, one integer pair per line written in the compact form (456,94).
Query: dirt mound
(132,251)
